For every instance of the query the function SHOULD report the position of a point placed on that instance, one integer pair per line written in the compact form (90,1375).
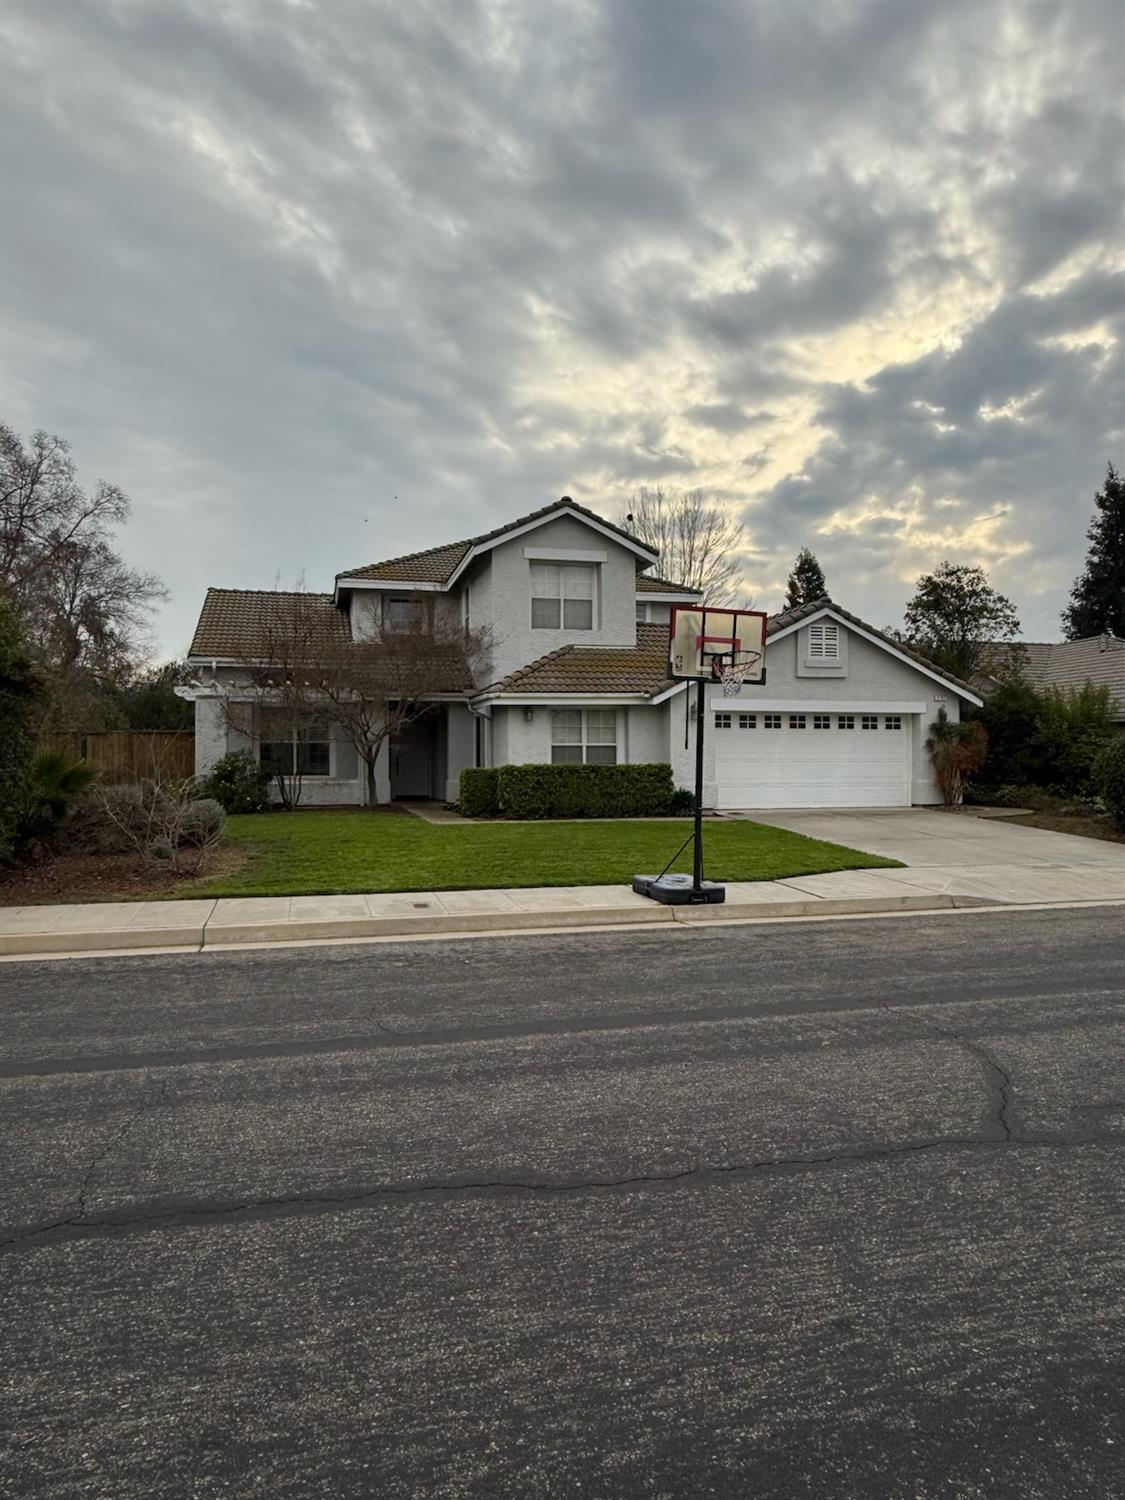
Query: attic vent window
(824,642)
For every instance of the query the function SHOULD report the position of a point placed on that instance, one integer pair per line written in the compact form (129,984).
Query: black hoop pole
(697,867)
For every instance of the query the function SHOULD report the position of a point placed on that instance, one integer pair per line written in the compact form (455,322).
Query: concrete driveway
(969,855)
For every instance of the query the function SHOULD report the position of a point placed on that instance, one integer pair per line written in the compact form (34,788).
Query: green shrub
(54,782)
(203,822)
(479,797)
(682,802)
(585,791)
(237,783)
(1109,777)
(1049,738)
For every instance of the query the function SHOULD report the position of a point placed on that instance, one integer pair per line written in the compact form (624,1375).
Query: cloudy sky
(321,281)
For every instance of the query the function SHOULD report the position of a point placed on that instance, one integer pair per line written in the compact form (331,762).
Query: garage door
(811,760)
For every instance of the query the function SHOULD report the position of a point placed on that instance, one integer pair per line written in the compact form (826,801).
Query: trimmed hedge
(479,795)
(581,791)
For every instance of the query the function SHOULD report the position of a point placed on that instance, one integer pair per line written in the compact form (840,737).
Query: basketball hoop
(733,671)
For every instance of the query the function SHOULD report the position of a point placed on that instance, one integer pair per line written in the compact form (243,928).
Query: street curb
(215,936)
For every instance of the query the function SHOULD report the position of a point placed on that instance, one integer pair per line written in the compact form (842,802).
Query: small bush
(203,823)
(682,803)
(54,782)
(957,752)
(478,792)
(585,791)
(1109,776)
(237,783)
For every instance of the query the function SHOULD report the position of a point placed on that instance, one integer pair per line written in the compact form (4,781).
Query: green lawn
(307,853)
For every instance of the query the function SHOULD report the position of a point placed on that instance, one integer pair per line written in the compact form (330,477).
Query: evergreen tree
(806,582)
(20,698)
(1097,600)
(956,617)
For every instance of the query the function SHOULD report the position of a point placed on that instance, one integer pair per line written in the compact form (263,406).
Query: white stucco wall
(504,598)
(210,734)
(461,738)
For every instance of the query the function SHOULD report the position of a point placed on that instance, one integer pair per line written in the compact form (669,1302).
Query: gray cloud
(321,284)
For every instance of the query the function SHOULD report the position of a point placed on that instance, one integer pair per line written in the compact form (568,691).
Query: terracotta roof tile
(436,564)
(235,623)
(647,584)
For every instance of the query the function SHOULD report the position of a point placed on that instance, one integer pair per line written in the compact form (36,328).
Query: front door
(412,760)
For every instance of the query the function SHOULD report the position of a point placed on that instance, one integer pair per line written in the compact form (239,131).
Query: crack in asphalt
(996,1075)
(248,1209)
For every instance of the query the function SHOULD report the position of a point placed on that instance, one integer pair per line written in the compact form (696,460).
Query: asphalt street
(810,1209)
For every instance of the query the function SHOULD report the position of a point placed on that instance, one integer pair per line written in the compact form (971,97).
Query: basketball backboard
(705,642)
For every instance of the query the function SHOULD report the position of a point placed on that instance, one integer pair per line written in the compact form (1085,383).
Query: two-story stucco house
(578,671)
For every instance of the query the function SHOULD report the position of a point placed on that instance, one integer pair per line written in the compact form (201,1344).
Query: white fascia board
(875,640)
(399,585)
(561,510)
(549,700)
(677,687)
(754,705)
(688,600)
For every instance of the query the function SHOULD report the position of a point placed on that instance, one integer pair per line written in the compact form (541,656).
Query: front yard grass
(314,853)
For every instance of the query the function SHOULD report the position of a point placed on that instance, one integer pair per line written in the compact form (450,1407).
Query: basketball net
(733,673)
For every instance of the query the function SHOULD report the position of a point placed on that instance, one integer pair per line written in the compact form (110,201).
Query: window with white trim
(845,721)
(869,721)
(723,721)
(562,596)
(892,721)
(286,748)
(771,721)
(797,721)
(584,736)
(748,721)
(822,721)
(824,642)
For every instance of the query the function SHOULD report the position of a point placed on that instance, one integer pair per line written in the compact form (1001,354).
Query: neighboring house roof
(438,564)
(235,624)
(1099,659)
(644,668)
(647,584)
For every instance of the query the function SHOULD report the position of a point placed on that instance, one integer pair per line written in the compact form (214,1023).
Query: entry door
(412,760)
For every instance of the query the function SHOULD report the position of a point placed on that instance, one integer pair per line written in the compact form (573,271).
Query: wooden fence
(132,754)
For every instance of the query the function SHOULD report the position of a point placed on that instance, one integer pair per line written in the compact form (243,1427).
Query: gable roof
(235,624)
(437,565)
(1069,665)
(644,668)
(789,617)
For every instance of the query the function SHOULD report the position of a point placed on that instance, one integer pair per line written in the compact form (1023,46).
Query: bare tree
(698,543)
(310,673)
(83,611)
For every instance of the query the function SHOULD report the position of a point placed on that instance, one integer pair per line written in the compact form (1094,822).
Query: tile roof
(1099,659)
(436,564)
(644,668)
(647,584)
(236,623)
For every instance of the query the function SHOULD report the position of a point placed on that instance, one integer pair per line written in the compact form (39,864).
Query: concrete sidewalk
(135,926)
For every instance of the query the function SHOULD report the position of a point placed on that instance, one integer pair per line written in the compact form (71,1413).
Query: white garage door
(811,760)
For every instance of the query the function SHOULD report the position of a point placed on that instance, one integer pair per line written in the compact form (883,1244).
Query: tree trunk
(372,790)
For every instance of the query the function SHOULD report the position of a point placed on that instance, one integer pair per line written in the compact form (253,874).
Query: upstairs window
(562,596)
(824,642)
(584,736)
(404,616)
